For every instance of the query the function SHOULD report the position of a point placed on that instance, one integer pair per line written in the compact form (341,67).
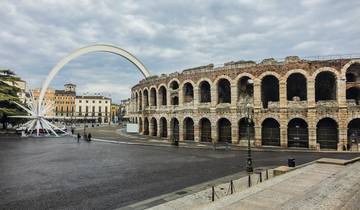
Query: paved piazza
(58,173)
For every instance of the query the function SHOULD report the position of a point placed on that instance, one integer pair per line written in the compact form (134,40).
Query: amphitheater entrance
(153,127)
(188,92)
(270,132)
(174,123)
(188,129)
(224,91)
(298,134)
(327,133)
(163,97)
(146,126)
(205,130)
(244,124)
(163,127)
(224,130)
(354,131)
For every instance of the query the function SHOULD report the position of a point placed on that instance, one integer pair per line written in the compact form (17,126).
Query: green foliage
(8,94)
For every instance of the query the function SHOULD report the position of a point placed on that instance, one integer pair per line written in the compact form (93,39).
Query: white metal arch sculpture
(89,49)
(37,111)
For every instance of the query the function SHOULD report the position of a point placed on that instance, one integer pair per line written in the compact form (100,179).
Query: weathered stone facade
(295,103)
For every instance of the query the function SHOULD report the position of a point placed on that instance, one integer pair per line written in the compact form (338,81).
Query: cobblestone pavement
(59,173)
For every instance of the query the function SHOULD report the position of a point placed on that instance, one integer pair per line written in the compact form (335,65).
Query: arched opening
(140,125)
(146,98)
(188,129)
(353,73)
(153,127)
(205,130)
(188,90)
(353,95)
(327,133)
(174,123)
(269,90)
(175,101)
(296,87)
(325,86)
(224,130)
(163,127)
(153,101)
(270,132)
(243,129)
(205,92)
(354,131)
(146,126)
(245,88)
(350,77)
(298,134)
(163,97)
(174,85)
(224,91)
(140,101)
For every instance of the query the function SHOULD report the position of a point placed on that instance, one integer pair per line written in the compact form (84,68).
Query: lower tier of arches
(323,134)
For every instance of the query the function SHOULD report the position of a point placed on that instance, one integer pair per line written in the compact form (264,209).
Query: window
(99,102)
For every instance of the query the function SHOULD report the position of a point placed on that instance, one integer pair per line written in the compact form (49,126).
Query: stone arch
(353,131)
(270,89)
(205,129)
(328,89)
(153,96)
(242,129)
(223,89)
(346,66)
(140,100)
(244,89)
(270,132)
(327,133)
(162,93)
(88,49)
(204,90)
(188,128)
(154,126)
(267,73)
(188,91)
(146,126)
(296,85)
(171,81)
(298,133)
(146,97)
(163,127)
(174,129)
(319,70)
(224,130)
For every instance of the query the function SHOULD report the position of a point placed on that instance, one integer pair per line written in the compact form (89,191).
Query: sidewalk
(325,185)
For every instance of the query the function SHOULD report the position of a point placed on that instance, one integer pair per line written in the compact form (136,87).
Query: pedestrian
(78,137)
(89,137)
(72,131)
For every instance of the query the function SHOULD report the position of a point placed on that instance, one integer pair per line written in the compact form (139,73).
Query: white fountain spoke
(26,109)
(37,127)
(49,124)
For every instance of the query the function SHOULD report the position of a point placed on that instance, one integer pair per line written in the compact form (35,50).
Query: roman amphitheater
(290,103)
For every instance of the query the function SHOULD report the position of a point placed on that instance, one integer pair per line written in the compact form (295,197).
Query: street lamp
(249,167)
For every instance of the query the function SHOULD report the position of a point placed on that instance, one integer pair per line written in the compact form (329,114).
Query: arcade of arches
(297,103)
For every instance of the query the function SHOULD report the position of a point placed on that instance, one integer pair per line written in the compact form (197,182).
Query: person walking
(78,137)
(89,137)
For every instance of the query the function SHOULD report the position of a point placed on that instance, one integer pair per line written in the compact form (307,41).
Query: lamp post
(249,167)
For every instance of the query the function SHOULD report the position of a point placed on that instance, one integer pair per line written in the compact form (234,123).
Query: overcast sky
(166,36)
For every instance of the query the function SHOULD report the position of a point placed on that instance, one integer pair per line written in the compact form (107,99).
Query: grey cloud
(167,35)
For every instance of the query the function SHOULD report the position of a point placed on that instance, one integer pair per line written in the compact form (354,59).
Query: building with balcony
(293,103)
(96,109)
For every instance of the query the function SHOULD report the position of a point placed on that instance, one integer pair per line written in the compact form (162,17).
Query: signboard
(132,128)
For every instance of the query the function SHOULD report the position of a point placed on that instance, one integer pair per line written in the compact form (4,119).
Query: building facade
(292,103)
(93,108)
(65,101)
(49,100)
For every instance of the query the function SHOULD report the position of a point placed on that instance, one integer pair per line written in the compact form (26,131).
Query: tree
(8,93)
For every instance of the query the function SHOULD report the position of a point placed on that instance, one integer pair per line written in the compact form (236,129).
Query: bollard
(213,194)
(267,174)
(291,162)
(231,187)
(260,174)
(249,181)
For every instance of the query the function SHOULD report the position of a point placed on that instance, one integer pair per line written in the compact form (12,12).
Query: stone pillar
(258,136)
(343,139)
(341,92)
(169,131)
(257,94)
(196,132)
(214,131)
(283,128)
(282,94)
(233,95)
(234,130)
(196,97)
(158,129)
(181,129)
(213,93)
(312,129)
(311,92)
(181,97)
